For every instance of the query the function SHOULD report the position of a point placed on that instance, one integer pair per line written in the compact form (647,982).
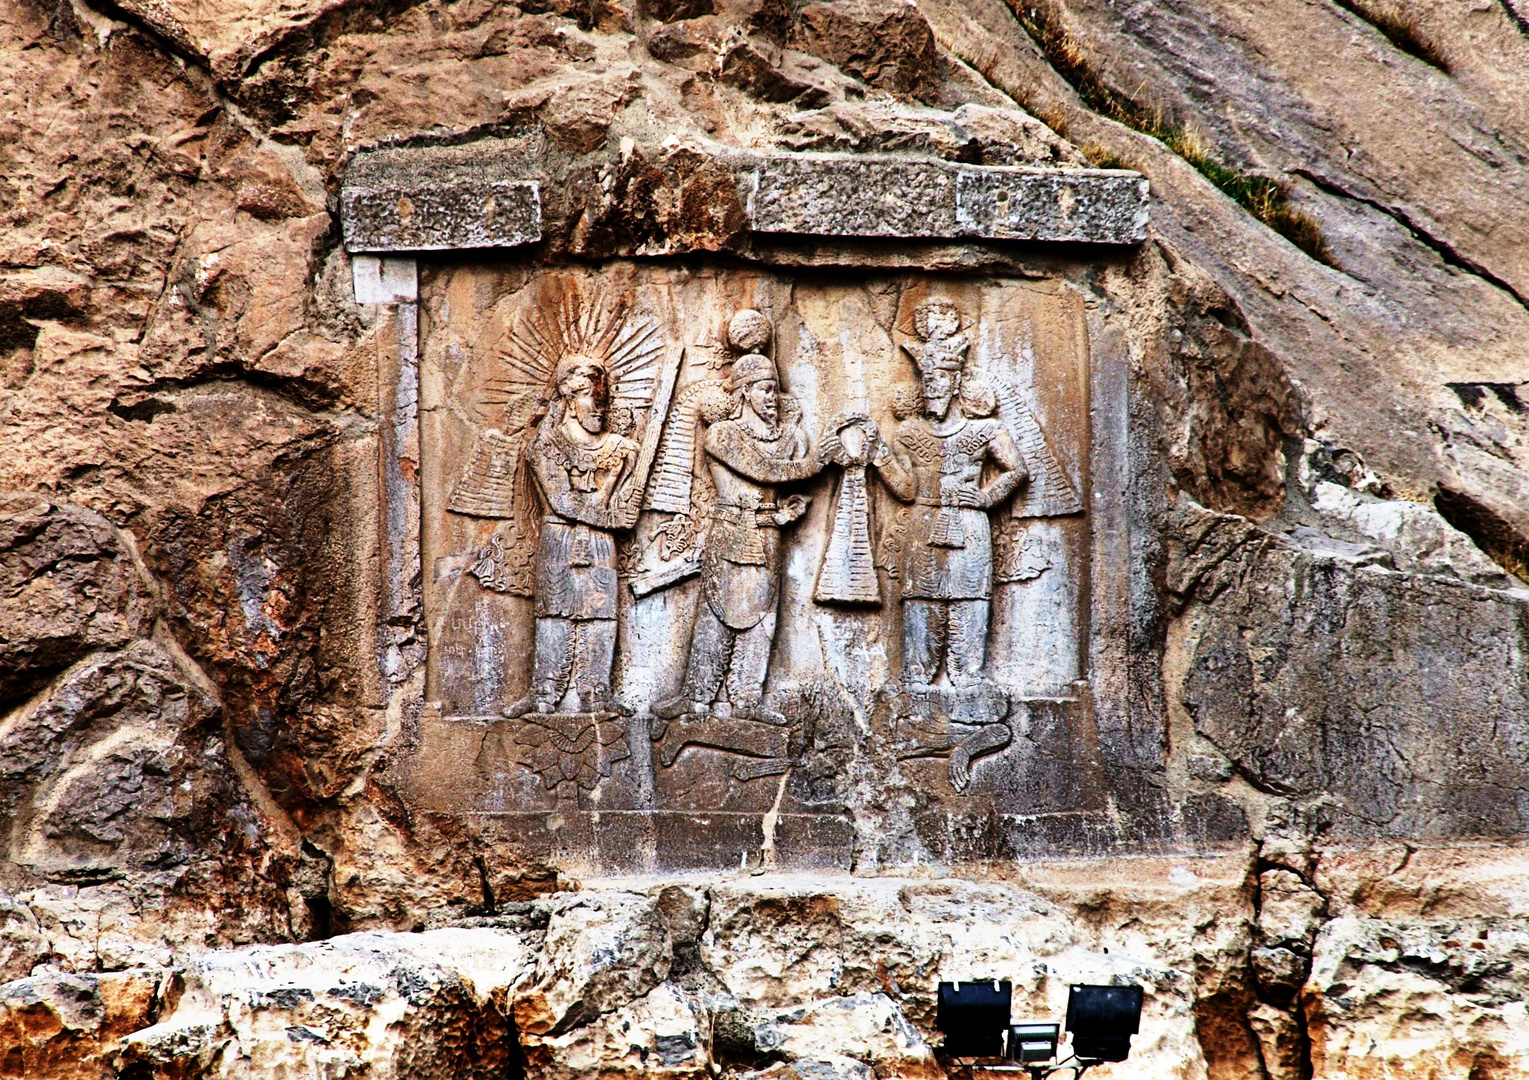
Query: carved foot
(960,768)
(529,704)
(757,768)
(757,711)
(602,701)
(672,708)
(671,743)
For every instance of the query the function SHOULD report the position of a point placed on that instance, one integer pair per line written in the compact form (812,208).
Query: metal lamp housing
(1102,1020)
(974,1017)
(1030,1044)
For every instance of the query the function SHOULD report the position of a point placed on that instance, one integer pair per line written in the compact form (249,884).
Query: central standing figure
(748,454)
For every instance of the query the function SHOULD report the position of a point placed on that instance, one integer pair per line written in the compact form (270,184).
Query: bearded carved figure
(754,443)
(936,462)
(584,391)
(579,467)
(955,463)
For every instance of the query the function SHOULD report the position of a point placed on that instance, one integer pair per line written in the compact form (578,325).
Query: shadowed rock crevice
(1446,253)
(1491,532)
(1397,28)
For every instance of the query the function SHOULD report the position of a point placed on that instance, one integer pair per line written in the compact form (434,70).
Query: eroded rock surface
(200,713)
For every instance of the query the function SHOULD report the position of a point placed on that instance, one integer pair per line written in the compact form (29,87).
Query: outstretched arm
(729,446)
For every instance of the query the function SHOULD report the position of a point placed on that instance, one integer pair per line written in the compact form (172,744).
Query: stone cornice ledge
(400,208)
(878,195)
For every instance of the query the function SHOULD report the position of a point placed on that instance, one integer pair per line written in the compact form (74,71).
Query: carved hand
(970,497)
(791,508)
(831,450)
(832,446)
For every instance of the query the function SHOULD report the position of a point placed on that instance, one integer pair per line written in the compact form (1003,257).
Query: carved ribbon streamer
(848,573)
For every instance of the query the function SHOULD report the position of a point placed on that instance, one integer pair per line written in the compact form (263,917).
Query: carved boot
(678,705)
(753,708)
(535,700)
(673,707)
(601,700)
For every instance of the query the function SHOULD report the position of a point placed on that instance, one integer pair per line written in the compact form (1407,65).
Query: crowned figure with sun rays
(583,390)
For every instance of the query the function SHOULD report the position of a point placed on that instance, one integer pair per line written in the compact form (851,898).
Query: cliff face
(1307,823)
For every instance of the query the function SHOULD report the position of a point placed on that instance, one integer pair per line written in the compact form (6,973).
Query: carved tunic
(948,552)
(740,568)
(576,555)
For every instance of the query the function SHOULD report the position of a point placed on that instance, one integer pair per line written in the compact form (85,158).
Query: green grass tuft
(1260,196)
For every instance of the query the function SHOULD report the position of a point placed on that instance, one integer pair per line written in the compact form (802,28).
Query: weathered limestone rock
(71,583)
(864,1030)
(443,216)
(67,1026)
(21,942)
(884,43)
(1282,1044)
(772,942)
(1307,605)
(600,953)
(378,1005)
(1418,996)
(869,197)
(661,1033)
(209,723)
(431,201)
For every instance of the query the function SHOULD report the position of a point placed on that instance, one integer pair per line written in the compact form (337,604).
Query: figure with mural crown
(936,462)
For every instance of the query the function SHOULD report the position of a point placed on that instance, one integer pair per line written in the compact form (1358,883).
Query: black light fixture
(974,1017)
(1102,1020)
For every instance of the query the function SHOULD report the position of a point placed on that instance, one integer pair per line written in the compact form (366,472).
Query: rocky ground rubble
(786,976)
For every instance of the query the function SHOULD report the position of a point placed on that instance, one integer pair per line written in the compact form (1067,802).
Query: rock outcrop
(1314,860)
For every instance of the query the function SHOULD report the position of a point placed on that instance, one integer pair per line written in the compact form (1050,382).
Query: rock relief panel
(715,544)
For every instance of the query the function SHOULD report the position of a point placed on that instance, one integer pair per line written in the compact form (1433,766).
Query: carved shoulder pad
(915,437)
(551,446)
(977,434)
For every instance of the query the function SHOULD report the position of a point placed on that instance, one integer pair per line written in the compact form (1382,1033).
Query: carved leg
(746,678)
(967,655)
(711,649)
(923,641)
(984,740)
(549,670)
(595,658)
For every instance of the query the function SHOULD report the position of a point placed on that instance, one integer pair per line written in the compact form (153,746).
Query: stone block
(429,200)
(379,1004)
(878,195)
(380,280)
(441,215)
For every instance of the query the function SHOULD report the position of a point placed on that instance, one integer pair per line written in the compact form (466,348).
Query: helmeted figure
(748,453)
(579,468)
(937,462)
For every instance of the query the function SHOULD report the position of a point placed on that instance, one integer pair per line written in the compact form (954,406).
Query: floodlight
(974,1017)
(1030,1043)
(1102,1020)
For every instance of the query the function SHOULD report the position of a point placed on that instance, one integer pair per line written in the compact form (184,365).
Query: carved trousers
(718,652)
(576,652)
(948,633)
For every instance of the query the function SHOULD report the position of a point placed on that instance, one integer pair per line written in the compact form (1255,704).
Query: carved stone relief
(723,562)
